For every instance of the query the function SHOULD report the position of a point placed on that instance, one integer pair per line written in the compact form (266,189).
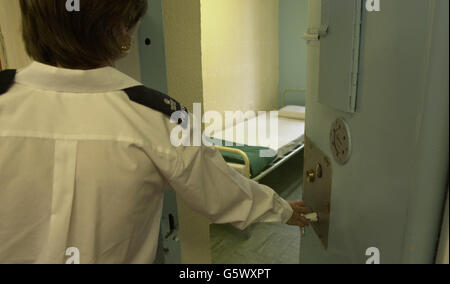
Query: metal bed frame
(273,166)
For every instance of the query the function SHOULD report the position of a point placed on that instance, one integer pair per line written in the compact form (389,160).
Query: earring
(125,47)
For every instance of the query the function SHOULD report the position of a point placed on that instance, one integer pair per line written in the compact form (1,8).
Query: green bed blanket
(257,163)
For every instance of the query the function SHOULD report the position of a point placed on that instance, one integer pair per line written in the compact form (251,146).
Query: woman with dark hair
(85,151)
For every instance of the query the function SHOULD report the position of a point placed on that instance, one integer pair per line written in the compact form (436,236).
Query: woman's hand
(297,218)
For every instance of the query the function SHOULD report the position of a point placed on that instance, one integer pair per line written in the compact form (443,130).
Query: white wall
(293,18)
(240,54)
(185,83)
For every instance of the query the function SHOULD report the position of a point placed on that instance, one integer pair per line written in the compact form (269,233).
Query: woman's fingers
(297,219)
(303,222)
(301,207)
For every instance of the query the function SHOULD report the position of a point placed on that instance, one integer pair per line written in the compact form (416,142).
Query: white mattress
(290,134)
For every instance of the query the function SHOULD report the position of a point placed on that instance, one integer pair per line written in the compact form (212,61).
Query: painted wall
(150,47)
(183,50)
(10,24)
(391,193)
(182,25)
(293,18)
(153,55)
(240,54)
(171,63)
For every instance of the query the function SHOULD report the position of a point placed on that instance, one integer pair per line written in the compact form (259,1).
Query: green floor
(262,243)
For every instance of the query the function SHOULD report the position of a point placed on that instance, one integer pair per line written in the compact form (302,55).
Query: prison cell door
(376,155)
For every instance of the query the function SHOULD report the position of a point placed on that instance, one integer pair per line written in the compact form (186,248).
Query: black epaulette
(6,80)
(159,102)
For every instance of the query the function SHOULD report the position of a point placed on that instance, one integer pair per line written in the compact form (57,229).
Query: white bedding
(290,134)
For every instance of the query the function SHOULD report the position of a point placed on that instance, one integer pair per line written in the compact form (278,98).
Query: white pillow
(293,112)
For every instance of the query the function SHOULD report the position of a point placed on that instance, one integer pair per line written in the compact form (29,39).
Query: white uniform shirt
(83,166)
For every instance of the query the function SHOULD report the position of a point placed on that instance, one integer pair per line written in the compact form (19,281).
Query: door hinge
(316,34)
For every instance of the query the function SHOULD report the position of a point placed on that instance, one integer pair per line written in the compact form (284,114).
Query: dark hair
(83,39)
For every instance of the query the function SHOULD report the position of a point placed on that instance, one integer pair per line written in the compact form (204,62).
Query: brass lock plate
(317,187)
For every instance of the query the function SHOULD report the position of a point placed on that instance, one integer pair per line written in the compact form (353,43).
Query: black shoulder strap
(159,102)
(6,80)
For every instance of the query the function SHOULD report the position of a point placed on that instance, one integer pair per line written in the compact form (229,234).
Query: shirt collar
(46,77)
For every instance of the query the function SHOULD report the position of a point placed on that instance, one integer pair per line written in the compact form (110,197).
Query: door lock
(319,172)
(317,189)
(310,176)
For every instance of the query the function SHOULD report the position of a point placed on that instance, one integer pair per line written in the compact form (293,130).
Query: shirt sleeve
(205,182)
